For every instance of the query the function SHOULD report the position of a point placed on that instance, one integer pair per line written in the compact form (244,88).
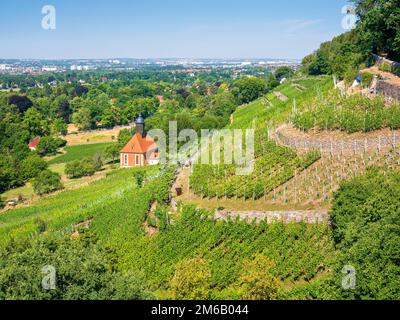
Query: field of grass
(79,152)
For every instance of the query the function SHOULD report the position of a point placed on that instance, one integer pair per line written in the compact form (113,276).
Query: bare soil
(74,138)
(280,96)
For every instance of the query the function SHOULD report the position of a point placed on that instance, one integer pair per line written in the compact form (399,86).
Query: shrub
(350,75)
(283,72)
(47,182)
(385,67)
(367,79)
(191,280)
(257,282)
(41,225)
(396,71)
(393,114)
(2,203)
(139,177)
(249,89)
(78,169)
(98,161)
(50,145)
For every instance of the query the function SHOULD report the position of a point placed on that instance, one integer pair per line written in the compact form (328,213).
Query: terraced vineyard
(274,165)
(285,179)
(59,213)
(270,111)
(355,113)
(114,211)
(318,183)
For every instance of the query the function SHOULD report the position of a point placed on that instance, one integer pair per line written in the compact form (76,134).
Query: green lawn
(79,152)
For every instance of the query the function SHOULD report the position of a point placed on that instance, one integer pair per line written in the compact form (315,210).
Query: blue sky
(169,28)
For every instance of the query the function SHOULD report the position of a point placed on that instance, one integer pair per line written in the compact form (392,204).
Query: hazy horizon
(155,29)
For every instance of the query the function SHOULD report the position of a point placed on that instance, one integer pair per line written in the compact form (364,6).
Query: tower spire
(140,126)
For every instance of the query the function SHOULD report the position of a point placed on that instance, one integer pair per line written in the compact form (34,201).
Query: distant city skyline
(156,29)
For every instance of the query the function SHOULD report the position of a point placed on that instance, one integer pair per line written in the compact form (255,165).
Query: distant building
(33,144)
(49,69)
(141,150)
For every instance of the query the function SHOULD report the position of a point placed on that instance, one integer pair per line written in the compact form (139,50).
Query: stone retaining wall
(388,90)
(381,60)
(340,146)
(311,217)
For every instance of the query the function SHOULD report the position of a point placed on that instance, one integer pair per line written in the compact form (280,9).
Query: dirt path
(387,76)
(94,136)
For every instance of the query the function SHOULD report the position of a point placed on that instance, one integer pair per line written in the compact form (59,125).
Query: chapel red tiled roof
(138,144)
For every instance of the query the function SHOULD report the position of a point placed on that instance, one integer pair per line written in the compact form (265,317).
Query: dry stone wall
(339,146)
(388,90)
(311,217)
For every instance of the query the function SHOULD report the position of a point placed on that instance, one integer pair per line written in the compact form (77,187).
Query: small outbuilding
(33,144)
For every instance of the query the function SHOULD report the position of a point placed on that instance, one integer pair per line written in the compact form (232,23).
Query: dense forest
(377,32)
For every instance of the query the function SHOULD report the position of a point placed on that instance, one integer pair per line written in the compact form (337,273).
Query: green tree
(365,217)
(10,177)
(34,122)
(59,126)
(83,271)
(78,169)
(49,145)
(47,182)
(32,166)
(223,104)
(98,161)
(112,151)
(250,89)
(191,280)
(378,26)
(63,108)
(283,72)
(124,136)
(83,119)
(257,281)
